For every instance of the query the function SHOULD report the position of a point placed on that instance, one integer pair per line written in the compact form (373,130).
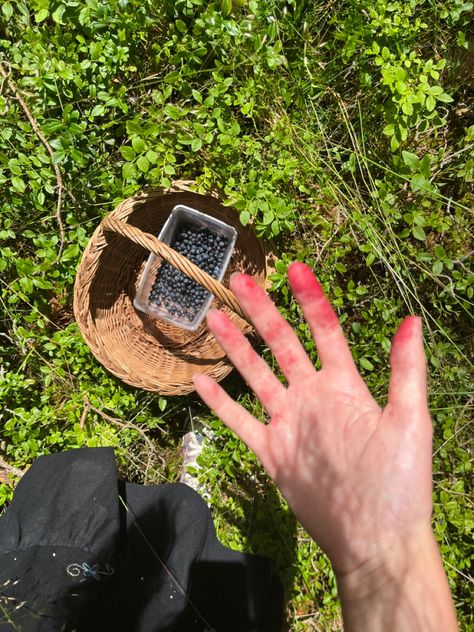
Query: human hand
(356,476)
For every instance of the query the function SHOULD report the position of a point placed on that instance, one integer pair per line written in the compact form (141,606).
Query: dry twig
(123,424)
(6,470)
(34,124)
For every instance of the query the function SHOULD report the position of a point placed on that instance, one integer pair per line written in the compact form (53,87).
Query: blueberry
(174,291)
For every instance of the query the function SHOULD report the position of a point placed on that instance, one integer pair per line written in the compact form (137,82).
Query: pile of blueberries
(172,290)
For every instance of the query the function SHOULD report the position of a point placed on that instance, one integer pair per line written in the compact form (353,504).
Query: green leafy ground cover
(342,131)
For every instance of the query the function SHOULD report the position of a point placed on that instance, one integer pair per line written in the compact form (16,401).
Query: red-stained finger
(251,431)
(407,389)
(248,363)
(321,318)
(277,333)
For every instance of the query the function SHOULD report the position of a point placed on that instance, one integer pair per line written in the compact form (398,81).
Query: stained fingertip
(199,379)
(312,299)
(299,271)
(223,328)
(407,386)
(204,385)
(410,328)
(242,282)
(303,280)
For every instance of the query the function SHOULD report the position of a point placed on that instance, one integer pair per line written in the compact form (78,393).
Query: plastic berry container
(165,292)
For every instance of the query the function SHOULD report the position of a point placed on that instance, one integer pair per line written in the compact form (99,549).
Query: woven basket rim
(109,323)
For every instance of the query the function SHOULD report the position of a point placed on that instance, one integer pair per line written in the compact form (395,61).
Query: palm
(353,474)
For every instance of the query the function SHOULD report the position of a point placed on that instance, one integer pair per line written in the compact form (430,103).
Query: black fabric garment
(80,551)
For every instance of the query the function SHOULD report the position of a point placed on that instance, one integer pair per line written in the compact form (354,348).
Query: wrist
(390,563)
(404,578)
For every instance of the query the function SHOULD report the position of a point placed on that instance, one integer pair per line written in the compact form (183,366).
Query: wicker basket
(143,351)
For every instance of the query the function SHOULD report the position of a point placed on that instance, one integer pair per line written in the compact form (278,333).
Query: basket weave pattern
(143,351)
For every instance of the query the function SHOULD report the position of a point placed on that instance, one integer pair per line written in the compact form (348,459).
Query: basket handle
(184,265)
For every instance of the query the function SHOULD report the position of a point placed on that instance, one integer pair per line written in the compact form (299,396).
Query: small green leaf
(435,90)
(244,218)
(185,139)
(418,233)
(400,73)
(172,111)
(226,7)
(181,26)
(128,170)
(96,50)
(275,227)
(196,144)
(418,182)
(52,126)
(152,156)
(24,267)
(84,16)
(444,98)
(437,267)
(127,153)
(172,76)
(58,14)
(138,145)
(268,217)
(394,143)
(366,364)
(411,160)
(143,164)
(385,53)
(401,87)
(430,103)
(41,15)
(389,130)
(424,167)
(26,285)
(7,10)
(43,284)
(98,110)
(439,251)
(407,108)
(18,184)
(370,259)
(162,403)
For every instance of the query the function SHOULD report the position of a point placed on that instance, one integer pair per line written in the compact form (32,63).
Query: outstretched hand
(358,477)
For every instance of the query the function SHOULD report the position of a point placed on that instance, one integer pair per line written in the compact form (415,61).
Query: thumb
(407,388)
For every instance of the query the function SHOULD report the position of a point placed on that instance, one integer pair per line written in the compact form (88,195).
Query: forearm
(405,589)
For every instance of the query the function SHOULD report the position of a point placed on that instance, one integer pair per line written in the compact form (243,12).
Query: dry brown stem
(122,424)
(7,470)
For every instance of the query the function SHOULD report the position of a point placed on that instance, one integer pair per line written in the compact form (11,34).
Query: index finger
(270,324)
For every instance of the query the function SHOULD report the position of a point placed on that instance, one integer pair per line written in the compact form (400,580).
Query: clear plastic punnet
(166,293)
